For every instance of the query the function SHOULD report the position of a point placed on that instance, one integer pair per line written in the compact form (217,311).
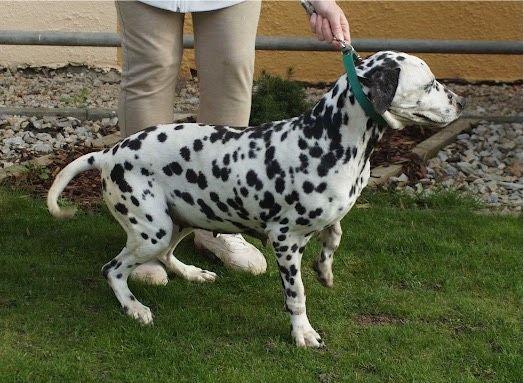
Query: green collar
(349,56)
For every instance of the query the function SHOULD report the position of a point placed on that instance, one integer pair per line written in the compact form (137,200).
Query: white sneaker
(233,250)
(150,273)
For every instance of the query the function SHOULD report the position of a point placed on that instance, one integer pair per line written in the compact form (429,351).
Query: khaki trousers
(152,51)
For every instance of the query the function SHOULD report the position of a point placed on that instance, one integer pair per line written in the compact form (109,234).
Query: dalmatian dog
(284,181)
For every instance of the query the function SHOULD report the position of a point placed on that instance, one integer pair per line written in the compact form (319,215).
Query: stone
(515,169)
(42,147)
(111,77)
(44,137)
(14,141)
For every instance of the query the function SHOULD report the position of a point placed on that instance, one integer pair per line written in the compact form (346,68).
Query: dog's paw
(196,274)
(304,334)
(141,313)
(324,275)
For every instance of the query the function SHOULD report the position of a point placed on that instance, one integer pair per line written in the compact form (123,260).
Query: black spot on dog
(315,213)
(302,144)
(300,208)
(144,235)
(185,153)
(91,160)
(128,166)
(201,181)
(253,180)
(117,176)
(144,172)
(321,187)
(187,198)
(172,168)
(134,144)
(191,176)
(135,201)
(162,137)
(197,145)
(307,187)
(160,234)
(327,162)
(209,213)
(292,197)
(149,218)
(315,151)
(279,185)
(133,220)
(121,208)
(302,221)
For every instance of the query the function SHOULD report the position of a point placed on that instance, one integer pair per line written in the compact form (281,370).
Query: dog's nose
(461,102)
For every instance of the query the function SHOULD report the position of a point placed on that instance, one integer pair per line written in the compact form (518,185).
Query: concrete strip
(79,113)
(92,114)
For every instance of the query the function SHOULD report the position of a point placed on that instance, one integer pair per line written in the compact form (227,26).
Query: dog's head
(404,91)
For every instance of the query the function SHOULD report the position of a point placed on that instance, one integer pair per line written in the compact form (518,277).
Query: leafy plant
(78,99)
(276,98)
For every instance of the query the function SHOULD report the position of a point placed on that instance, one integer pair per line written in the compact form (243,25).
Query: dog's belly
(245,203)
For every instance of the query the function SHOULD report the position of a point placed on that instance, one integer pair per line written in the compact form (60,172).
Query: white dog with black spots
(285,181)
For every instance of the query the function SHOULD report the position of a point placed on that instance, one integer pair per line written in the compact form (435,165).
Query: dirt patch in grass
(377,319)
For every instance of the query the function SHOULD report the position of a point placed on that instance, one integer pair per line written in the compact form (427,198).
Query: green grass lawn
(421,295)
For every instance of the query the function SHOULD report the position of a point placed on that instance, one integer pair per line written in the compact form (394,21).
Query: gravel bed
(485,162)
(79,86)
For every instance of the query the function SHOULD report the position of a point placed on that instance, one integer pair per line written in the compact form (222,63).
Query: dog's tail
(81,164)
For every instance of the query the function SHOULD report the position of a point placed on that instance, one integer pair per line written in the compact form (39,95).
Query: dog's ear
(383,84)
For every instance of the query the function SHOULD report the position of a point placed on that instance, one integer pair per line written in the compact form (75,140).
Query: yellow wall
(451,20)
(63,16)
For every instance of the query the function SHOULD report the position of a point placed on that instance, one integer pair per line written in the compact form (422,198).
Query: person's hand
(329,21)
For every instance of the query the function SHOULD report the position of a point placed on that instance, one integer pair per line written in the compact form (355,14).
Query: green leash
(349,58)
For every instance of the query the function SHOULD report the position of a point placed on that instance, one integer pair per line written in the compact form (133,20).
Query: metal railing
(98,39)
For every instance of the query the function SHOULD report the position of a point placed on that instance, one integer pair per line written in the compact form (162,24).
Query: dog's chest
(345,191)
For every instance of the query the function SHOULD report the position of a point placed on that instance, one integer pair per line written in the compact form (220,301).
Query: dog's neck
(338,118)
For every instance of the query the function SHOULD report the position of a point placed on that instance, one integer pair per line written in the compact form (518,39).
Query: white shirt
(191,5)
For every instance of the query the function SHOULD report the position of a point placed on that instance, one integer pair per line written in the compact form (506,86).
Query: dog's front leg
(330,239)
(288,250)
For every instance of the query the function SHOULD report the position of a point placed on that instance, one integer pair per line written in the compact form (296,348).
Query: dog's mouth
(427,119)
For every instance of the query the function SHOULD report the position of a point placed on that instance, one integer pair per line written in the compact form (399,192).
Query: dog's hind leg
(175,266)
(323,265)
(148,230)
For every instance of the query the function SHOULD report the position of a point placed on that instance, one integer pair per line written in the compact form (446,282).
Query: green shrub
(276,98)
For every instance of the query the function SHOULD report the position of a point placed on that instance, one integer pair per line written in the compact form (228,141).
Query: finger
(336,28)
(318,28)
(326,30)
(312,22)
(344,24)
